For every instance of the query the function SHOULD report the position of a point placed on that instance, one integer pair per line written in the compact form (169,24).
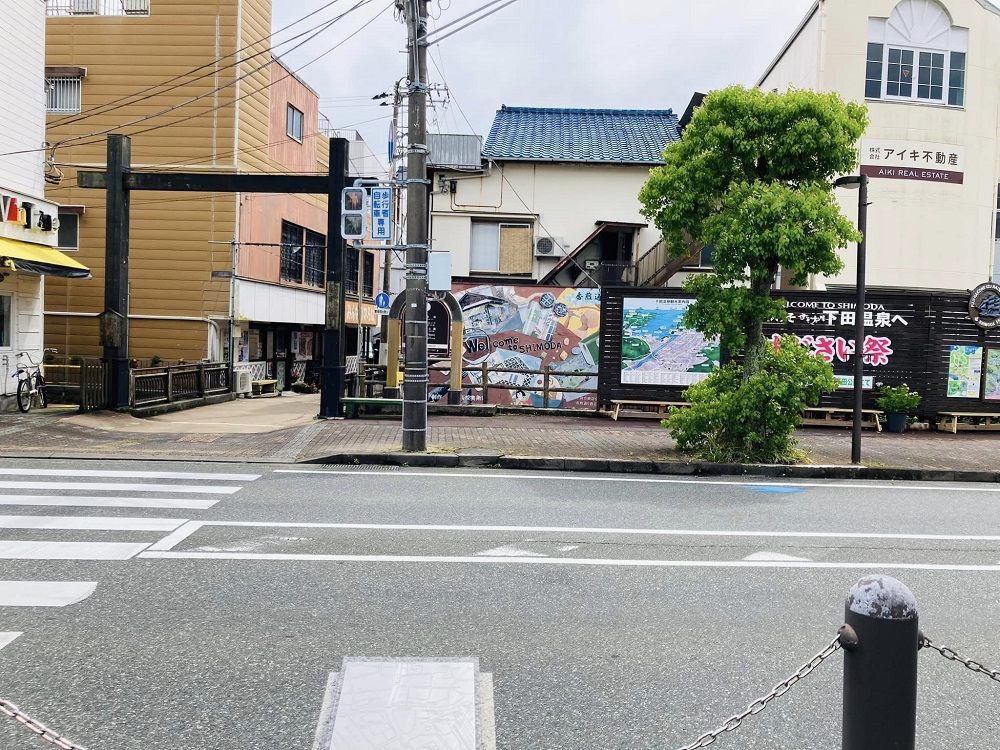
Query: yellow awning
(27,256)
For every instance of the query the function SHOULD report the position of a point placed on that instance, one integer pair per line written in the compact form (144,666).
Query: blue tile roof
(626,136)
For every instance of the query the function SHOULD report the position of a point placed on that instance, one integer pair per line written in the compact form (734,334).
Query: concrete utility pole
(417,234)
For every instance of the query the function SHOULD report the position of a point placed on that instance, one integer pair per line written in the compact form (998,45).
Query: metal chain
(734,722)
(952,655)
(9,709)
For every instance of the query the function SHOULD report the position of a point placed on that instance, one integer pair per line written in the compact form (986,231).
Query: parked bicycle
(31,384)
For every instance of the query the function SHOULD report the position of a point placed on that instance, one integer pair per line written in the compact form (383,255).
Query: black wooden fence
(162,385)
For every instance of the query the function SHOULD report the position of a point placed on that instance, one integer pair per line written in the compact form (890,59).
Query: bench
(948,421)
(829,416)
(264,388)
(662,408)
(354,406)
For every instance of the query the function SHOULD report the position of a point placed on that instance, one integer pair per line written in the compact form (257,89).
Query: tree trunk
(754,327)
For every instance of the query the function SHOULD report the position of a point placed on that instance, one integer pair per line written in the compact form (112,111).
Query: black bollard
(880,671)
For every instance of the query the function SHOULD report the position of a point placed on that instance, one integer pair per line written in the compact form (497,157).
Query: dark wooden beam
(213,182)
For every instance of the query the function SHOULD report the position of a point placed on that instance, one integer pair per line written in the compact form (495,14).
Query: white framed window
(63,95)
(916,55)
(6,320)
(295,123)
(499,247)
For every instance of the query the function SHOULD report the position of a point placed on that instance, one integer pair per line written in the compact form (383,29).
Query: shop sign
(28,219)
(984,305)
(368,316)
(913,160)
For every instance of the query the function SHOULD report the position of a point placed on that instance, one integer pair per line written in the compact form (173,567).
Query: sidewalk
(284,430)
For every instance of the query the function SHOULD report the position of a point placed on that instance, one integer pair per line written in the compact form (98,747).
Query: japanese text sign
(913,160)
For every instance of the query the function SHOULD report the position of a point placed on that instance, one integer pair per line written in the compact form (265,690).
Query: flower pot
(895,421)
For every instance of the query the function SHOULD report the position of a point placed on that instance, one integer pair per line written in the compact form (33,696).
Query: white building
(29,225)
(929,73)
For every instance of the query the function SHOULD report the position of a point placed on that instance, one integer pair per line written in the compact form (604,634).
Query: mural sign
(519,331)
(658,349)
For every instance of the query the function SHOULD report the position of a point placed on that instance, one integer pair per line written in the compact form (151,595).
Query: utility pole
(114,319)
(332,371)
(417,234)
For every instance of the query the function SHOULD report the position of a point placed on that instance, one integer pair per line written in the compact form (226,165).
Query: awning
(31,258)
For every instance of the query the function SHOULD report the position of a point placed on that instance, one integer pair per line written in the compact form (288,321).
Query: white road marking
(90,523)
(8,638)
(833,484)
(774,557)
(210,476)
(172,540)
(31,550)
(44,593)
(198,489)
(569,547)
(611,531)
(508,551)
(614,563)
(87,501)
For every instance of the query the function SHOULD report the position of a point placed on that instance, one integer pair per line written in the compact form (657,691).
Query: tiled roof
(627,136)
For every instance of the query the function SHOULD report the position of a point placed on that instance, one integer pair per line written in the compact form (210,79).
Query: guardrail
(163,385)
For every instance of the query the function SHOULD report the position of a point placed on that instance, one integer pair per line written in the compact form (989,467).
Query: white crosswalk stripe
(8,638)
(132,487)
(79,473)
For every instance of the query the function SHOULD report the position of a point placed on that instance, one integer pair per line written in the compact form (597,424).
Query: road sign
(352,220)
(382,303)
(381,216)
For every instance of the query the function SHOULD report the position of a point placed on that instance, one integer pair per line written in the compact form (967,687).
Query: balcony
(75,8)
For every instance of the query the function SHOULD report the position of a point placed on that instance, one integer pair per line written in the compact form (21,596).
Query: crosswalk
(51,506)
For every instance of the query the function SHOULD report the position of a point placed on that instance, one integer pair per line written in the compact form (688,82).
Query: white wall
(22,95)
(564,201)
(26,325)
(278,304)
(798,66)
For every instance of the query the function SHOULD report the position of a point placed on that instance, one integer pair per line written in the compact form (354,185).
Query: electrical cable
(439,39)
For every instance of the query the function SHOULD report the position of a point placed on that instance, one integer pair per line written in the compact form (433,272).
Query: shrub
(735,417)
(300,386)
(155,361)
(899,399)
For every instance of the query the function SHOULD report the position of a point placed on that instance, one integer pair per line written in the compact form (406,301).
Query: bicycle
(31,385)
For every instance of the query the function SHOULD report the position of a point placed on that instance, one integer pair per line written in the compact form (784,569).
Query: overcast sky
(634,54)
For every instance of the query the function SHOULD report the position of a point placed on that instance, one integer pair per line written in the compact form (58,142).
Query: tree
(753,176)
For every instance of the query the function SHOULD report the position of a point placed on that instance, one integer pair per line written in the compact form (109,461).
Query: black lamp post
(860,182)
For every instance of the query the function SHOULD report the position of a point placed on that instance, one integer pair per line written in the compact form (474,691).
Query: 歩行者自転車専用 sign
(913,160)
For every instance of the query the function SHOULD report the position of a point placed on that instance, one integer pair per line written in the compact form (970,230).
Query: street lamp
(859,182)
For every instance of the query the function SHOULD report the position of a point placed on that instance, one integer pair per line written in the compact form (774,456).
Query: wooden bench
(948,421)
(354,406)
(662,408)
(264,388)
(829,416)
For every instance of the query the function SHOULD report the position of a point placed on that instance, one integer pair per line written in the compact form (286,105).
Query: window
(291,252)
(501,248)
(62,95)
(295,123)
(368,281)
(705,259)
(917,55)
(6,321)
(315,259)
(351,271)
(69,231)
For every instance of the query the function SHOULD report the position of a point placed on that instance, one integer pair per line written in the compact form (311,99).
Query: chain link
(952,655)
(734,722)
(9,709)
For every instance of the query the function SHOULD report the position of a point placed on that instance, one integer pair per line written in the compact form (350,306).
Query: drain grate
(366,467)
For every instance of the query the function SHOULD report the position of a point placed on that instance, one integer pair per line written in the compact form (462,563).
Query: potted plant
(897,402)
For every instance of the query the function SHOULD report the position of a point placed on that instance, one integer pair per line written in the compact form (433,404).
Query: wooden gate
(95,392)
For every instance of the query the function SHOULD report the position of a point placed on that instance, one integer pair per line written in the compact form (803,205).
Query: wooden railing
(651,264)
(76,380)
(164,385)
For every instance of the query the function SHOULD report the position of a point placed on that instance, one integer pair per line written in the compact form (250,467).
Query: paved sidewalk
(284,430)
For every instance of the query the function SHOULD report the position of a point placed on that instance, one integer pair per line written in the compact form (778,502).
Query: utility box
(439,271)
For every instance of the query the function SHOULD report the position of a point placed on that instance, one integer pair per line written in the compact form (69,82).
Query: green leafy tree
(752,175)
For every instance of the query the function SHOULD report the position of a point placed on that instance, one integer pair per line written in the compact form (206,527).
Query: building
(928,72)
(221,277)
(29,224)
(551,198)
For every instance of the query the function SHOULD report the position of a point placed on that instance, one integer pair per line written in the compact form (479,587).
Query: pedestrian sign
(382,303)
(381,217)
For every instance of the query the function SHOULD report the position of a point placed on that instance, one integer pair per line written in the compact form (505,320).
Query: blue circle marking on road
(381,300)
(774,489)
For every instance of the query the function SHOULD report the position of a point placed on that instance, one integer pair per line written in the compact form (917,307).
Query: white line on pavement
(563,477)
(8,638)
(123,487)
(31,550)
(589,562)
(172,540)
(87,501)
(44,593)
(208,476)
(90,523)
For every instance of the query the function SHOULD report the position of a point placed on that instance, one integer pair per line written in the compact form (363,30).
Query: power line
(470,23)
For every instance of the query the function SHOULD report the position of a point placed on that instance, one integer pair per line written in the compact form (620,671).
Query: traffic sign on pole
(382,302)
(381,207)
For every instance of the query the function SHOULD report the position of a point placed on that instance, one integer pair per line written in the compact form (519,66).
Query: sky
(620,54)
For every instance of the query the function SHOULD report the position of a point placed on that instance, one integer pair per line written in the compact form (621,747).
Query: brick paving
(49,435)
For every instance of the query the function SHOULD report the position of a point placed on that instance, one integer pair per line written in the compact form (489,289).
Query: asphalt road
(610,612)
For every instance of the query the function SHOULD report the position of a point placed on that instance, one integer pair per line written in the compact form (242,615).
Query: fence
(163,385)
(76,380)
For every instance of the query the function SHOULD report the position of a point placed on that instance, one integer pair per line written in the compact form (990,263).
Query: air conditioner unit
(243,381)
(84,7)
(549,247)
(136,7)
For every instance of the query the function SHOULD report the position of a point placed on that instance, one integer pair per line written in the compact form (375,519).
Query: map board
(658,349)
